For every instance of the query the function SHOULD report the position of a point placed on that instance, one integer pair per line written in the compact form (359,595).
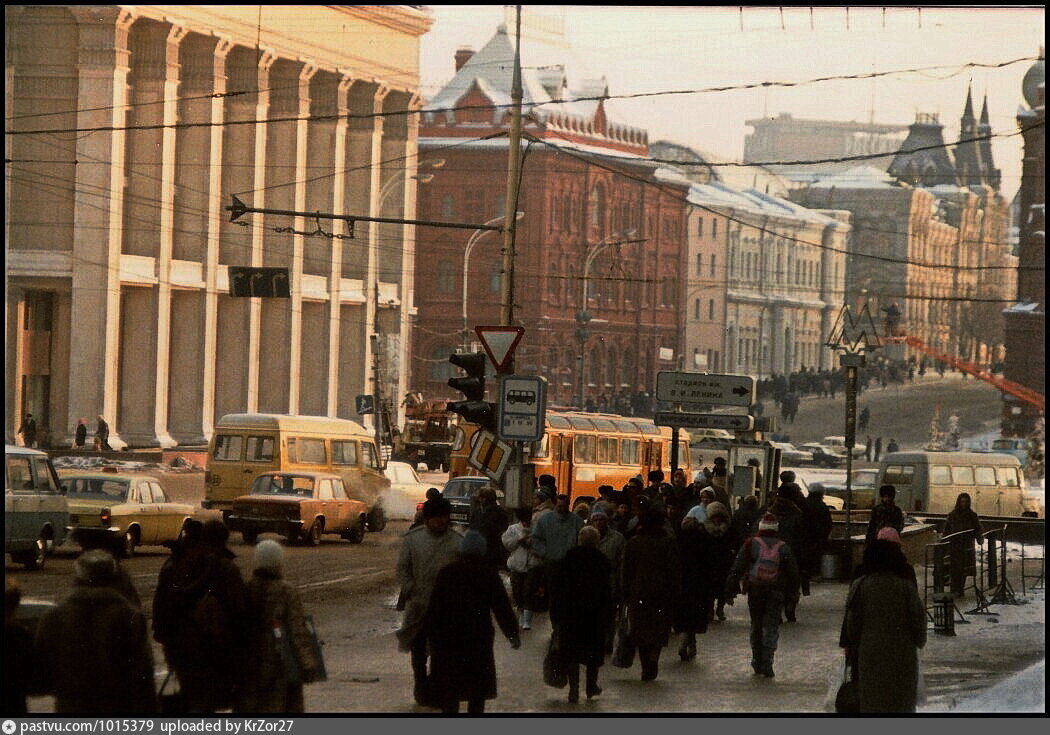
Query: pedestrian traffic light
(475,409)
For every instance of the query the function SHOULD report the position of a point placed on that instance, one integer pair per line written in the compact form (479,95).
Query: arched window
(597,205)
(440,368)
(446,277)
(448,206)
(495,279)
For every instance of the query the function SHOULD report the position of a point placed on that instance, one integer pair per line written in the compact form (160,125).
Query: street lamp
(474,238)
(388,186)
(583,316)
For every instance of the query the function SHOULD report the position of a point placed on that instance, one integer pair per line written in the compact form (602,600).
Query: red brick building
(595,220)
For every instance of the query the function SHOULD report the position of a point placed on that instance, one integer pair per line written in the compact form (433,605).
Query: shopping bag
(623,650)
(292,669)
(321,673)
(554,672)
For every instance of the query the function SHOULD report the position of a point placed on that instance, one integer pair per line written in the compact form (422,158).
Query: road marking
(347,578)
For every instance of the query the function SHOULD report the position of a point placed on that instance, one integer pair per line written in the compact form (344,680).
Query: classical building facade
(931,234)
(598,245)
(129,128)
(1026,319)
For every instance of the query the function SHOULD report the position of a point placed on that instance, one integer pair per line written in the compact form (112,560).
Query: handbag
(624,649)
(554,673)
(173,702)
(291,668)
(847,700)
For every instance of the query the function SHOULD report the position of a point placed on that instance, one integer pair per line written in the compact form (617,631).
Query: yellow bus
(585,450)
(245,445)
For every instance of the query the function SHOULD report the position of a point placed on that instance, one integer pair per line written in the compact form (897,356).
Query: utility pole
(377,389)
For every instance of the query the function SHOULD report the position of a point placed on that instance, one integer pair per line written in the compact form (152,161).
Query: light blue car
(36,514)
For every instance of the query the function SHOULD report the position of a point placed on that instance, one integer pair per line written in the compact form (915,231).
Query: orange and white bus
(585,450)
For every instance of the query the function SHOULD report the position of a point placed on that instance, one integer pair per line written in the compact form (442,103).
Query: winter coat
(705,562)
(203,641)
(818,528)
(521,558)
(580,603)
(962,547)
(612,545)
(886,625)
(265,687)
(423,554)
(650,584)
(792,530)
(490,521)
(744,522)
(884,515)
(18,667)
(459,632)
(788,574)
(93,653)
(553,534)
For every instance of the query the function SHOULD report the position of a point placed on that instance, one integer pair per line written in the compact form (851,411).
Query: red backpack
(765,565)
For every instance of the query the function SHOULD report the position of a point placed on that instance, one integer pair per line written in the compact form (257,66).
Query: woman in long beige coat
(272,602)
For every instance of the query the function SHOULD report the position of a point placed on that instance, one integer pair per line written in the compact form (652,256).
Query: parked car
(823,456)
(122,511)
(406,491)
(837,444)
(298,505)
(36,513)
(792,455)
(461,491)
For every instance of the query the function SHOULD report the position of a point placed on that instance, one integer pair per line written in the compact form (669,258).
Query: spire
(984,113)
(968,111)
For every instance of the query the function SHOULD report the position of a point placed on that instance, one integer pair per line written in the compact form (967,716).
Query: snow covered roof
(858,177)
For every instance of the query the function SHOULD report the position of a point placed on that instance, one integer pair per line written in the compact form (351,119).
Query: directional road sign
(489,455)
(499,342)
(705,388)
(703,421)
(522,408)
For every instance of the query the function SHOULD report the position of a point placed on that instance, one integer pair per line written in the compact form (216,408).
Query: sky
(674,48)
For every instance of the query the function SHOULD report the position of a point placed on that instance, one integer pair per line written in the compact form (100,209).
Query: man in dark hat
(886,513)
(425,551)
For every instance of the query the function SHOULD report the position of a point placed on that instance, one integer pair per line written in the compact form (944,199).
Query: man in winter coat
(792,531)
(885,513)
(745,520)
(199,618)
(425,551)
(92,651)
(963,521)
(553,534)
(458,629)
(490,520)
(768,568)
(884,626)
(651,580)
(679,492)
(611,543)
(580,602)
(818,526)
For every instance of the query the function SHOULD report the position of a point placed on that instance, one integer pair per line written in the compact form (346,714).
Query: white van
(36,514)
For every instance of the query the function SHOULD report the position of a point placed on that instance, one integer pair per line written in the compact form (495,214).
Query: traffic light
(475,409)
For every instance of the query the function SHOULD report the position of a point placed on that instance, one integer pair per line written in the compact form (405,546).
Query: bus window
(368,455)
(939,475)
(306,451)
(603,424)
(962,475)
(540,449)
(683,454)
(558,422)
(629,452)
(581,423)
(984,475)
(584,450)
(227,448)
(260,449)
(344,452)
(897,474)
(1008,476)
(607,450)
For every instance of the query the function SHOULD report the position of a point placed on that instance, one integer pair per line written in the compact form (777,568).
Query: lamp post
(474,238)
(583,316)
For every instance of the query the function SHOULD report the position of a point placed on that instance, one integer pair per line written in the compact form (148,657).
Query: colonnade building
(128,130)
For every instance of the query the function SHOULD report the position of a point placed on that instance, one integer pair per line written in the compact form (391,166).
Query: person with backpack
(199,614)
(767,568)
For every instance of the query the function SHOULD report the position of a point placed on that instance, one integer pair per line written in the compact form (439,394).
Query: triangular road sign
(499,343)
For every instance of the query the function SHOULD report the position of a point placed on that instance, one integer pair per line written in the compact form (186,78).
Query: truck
(427,434)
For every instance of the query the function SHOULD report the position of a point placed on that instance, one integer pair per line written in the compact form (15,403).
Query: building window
(440,368)
(712,265)
(711,309)
(447,206)
(597,206)
(696,310)
(446,277)
(495,279)
(501,205)
(699,264)
(714,227)
(474,202)
(699,226)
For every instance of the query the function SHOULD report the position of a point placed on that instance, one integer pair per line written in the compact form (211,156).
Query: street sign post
(365,404)
(731,422)
(705,388)
(522,408)
(499,343)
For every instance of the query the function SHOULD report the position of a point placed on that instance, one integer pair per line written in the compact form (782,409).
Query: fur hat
(268,555)
(95,568)
(472,544)
(888,533)
(769,522)
(436,507)
(717,509)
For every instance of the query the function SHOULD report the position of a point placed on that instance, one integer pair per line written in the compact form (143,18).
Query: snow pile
(72,462)
(1022,692)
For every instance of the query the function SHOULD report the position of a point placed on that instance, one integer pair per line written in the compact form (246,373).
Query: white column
(102,98)
(167,208)
(336,277)
(215,219)
(372,280)
(262,109)
(295,326)
(408,257)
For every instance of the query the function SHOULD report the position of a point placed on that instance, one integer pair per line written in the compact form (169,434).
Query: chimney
(463,55)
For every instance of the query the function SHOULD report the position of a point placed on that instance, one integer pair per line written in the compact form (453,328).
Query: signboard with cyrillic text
(705,388)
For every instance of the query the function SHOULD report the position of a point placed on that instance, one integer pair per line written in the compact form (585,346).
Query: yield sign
(499,343)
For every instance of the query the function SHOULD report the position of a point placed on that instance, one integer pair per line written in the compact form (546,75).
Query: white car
(792,455)
(829,500)
(838,445)
(406,491)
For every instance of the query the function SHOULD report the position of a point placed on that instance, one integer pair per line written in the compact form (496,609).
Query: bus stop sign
(522,409)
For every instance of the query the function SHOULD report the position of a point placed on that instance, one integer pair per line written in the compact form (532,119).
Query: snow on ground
(1022,692)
